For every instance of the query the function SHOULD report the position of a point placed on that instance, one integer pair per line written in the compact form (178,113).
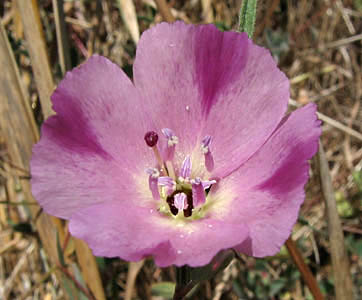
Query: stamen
(153,182)
(172,140)
(171,137)
(198,192)
(151,139)
(168,183)
(205,148)
(208,183)
(205,143)
(153,172)
(180,201)
(186,167)
(170,169)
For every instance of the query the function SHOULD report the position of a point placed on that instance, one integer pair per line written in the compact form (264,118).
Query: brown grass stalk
(304,270)
(342,278)
(165,11)
(18,128)
(45,84)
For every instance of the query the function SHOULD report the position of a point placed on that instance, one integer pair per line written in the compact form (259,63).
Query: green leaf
(222,26)
(79,278)
(247,17)
(358,247)
(60,251)
(69,287)
(276,286)
(358,4)
(101,263)
(357,176)
(164,289)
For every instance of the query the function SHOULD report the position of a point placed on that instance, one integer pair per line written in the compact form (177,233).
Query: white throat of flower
(180,195)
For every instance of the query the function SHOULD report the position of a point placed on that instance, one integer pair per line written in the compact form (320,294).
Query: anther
(153,182)
(186,167)
(208,183)
(198,192)
(168,183)
(205,148)
(172,140)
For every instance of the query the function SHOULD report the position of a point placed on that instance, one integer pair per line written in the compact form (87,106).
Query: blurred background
(317,43)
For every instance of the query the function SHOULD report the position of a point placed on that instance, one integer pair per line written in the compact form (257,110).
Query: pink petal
(248,109)
(116,232)
(88,150)
(113,230)
(198,77)
(163,73)
(268,190)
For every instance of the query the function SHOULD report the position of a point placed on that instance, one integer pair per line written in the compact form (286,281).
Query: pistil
(180,201)
(180,191)
(151,139)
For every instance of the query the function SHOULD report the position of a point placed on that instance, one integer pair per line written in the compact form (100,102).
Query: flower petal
(118,233)
(248,109)
(268,190)
(198,77)
(163,73)
(199,241)
(90,149)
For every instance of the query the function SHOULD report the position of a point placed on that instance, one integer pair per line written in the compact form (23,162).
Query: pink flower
(227,169)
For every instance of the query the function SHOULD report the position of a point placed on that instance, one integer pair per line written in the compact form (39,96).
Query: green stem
(247,17)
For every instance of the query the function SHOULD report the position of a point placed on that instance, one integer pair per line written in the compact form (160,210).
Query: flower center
(179,194)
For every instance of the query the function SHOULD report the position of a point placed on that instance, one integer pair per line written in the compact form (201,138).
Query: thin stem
(304,270)
(62,37)
(165,11)
(78,285)
(341,268)
(181,293)
(184,284)
(182,275)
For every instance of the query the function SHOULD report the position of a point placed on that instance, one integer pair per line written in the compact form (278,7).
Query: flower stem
(184,284)
(247,17)
(304,269)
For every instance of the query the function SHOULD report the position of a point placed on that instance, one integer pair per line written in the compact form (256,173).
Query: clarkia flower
(192,157)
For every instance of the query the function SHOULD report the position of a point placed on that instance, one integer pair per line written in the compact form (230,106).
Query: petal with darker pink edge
(269,189)
(85,148)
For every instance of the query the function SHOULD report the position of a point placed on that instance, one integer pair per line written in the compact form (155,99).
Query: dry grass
(317,44)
